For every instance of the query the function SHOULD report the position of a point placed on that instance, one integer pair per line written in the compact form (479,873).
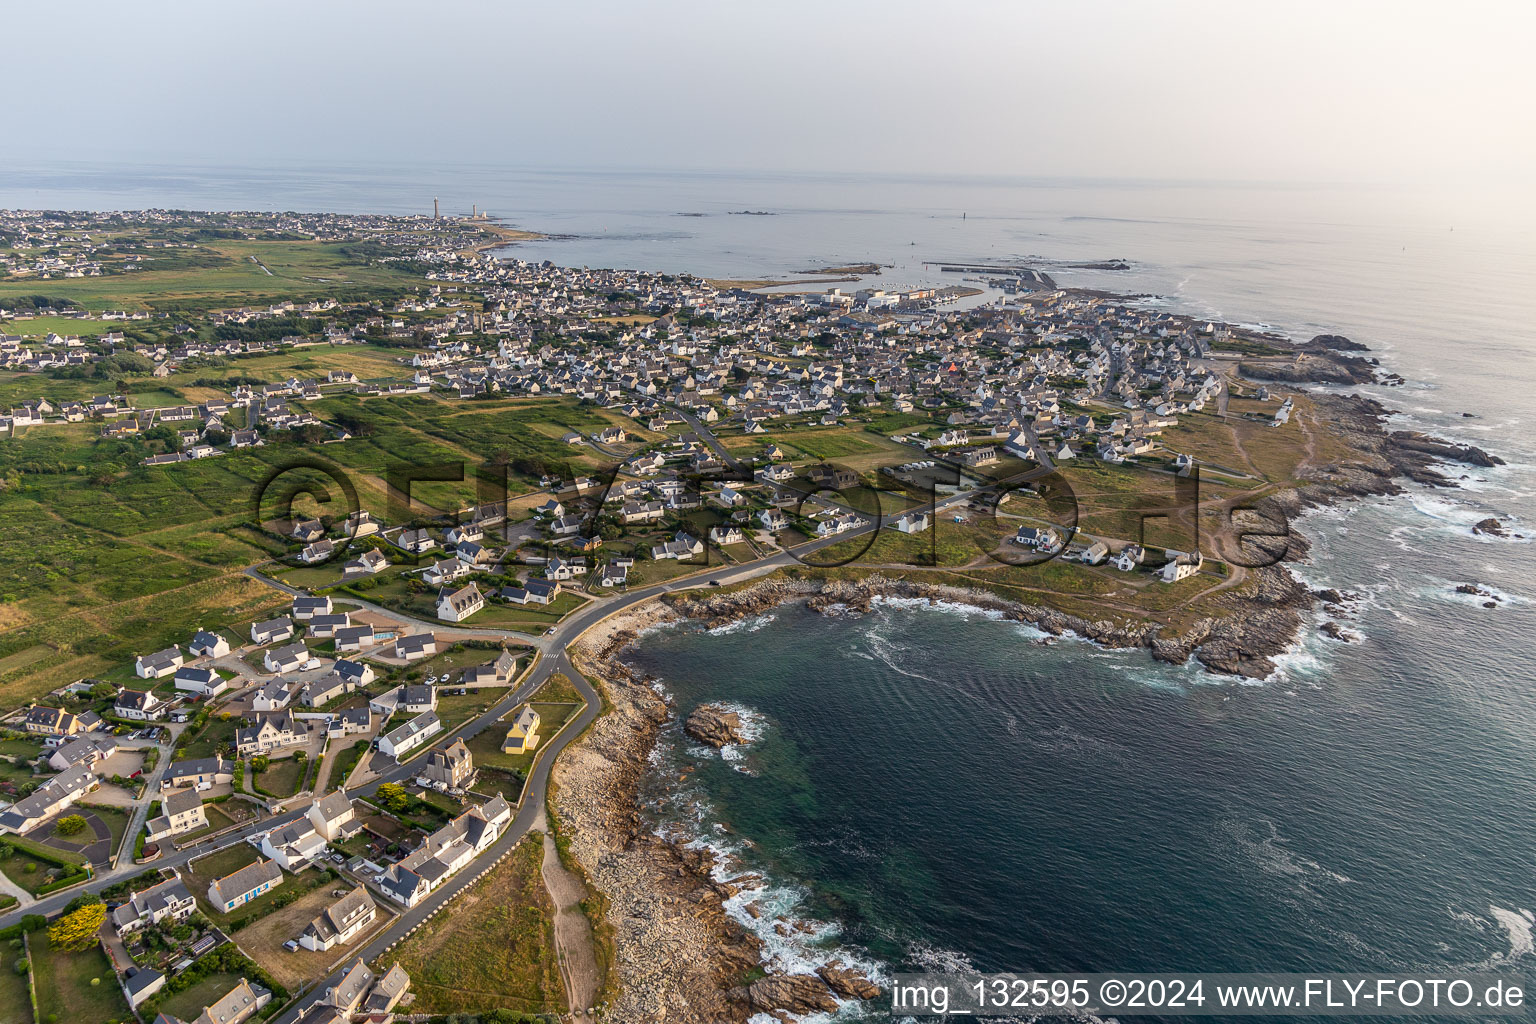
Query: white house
(208,645)
(458,605)
(159,664)
(401,741)
(200,682)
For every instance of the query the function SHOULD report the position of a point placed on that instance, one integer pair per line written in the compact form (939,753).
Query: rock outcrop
(713,725)
(793,993)
(846,983)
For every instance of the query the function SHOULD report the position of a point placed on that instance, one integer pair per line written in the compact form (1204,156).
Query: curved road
(553,658)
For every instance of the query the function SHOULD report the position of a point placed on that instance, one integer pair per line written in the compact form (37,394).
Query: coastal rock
(1474,590)
(1413,440)
(796,993)
(1322,367)
(714,725)
(846,983)
(1490,526)
(1338,342)
(1338,632)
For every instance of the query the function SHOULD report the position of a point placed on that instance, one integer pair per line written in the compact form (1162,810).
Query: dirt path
(573,932)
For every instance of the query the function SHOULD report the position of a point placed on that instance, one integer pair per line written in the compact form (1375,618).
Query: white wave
(1517,925)
(747,625)
(1445,590)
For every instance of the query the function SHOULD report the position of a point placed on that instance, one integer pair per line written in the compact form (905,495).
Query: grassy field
(78,988)
(486,744)
(32,873)
(297,268)
(263,940)
(189,1004)
(494,951)
(15,994)
(283,778)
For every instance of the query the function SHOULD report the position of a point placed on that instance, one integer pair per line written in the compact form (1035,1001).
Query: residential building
(168,900)
(206,644)
(272,630)
(334,817)
(200,682)
(46,721)
(159,664)
(245,884)
(181,811)
(415,646)
(458,605)
(201,774)
(273,696)
(411,735)
(293,847)
(341,922)
(138,705)
(236,1006)
(274,732)
(413,698)
(449,767)
(59,792)
(523,736)
(81,750)
(292,658)
(445,851)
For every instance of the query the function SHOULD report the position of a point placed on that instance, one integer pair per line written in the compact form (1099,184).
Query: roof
(421,723)
(354,982)
(341,915)
(181,801)
(334,805)
(415,642)
(198,766)
(235,1002)
(238,883)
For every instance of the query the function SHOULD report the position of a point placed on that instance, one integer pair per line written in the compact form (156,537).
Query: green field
(496,951)
(231,278)
(15,992)
(78,988)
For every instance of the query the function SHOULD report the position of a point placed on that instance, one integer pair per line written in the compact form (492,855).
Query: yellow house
(524,734)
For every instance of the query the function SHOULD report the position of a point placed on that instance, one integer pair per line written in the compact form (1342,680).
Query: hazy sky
(1185,89)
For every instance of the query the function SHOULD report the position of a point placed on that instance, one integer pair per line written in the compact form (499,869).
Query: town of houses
(1041,375)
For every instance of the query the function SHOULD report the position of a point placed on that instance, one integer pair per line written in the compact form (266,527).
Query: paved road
(553,647)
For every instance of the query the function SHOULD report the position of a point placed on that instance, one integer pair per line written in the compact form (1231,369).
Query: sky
(1337,91)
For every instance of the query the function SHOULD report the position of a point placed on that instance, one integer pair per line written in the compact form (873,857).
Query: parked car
(291,946)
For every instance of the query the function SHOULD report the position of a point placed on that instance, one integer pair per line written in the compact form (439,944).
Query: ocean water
(931,787)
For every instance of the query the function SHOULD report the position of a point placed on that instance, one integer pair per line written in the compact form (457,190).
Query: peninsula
(327,535)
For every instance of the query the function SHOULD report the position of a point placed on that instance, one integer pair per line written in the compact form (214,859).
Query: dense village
(357,753)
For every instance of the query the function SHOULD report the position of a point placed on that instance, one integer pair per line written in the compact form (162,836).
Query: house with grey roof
(241,886)
(341,922)
(180,811)
(401,741)
(168,900)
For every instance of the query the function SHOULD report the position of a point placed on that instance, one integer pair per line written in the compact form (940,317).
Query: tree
(394,797)
(260,763)
(76,932)
(70,825)
(85,899)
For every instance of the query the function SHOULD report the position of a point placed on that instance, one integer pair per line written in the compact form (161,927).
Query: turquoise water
(950,793)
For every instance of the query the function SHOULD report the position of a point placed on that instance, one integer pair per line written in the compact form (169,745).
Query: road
(553,658)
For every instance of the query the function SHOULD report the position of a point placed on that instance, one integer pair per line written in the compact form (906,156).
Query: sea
(932,787)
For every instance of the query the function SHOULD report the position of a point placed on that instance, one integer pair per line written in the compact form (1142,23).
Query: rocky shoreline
(679,956)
